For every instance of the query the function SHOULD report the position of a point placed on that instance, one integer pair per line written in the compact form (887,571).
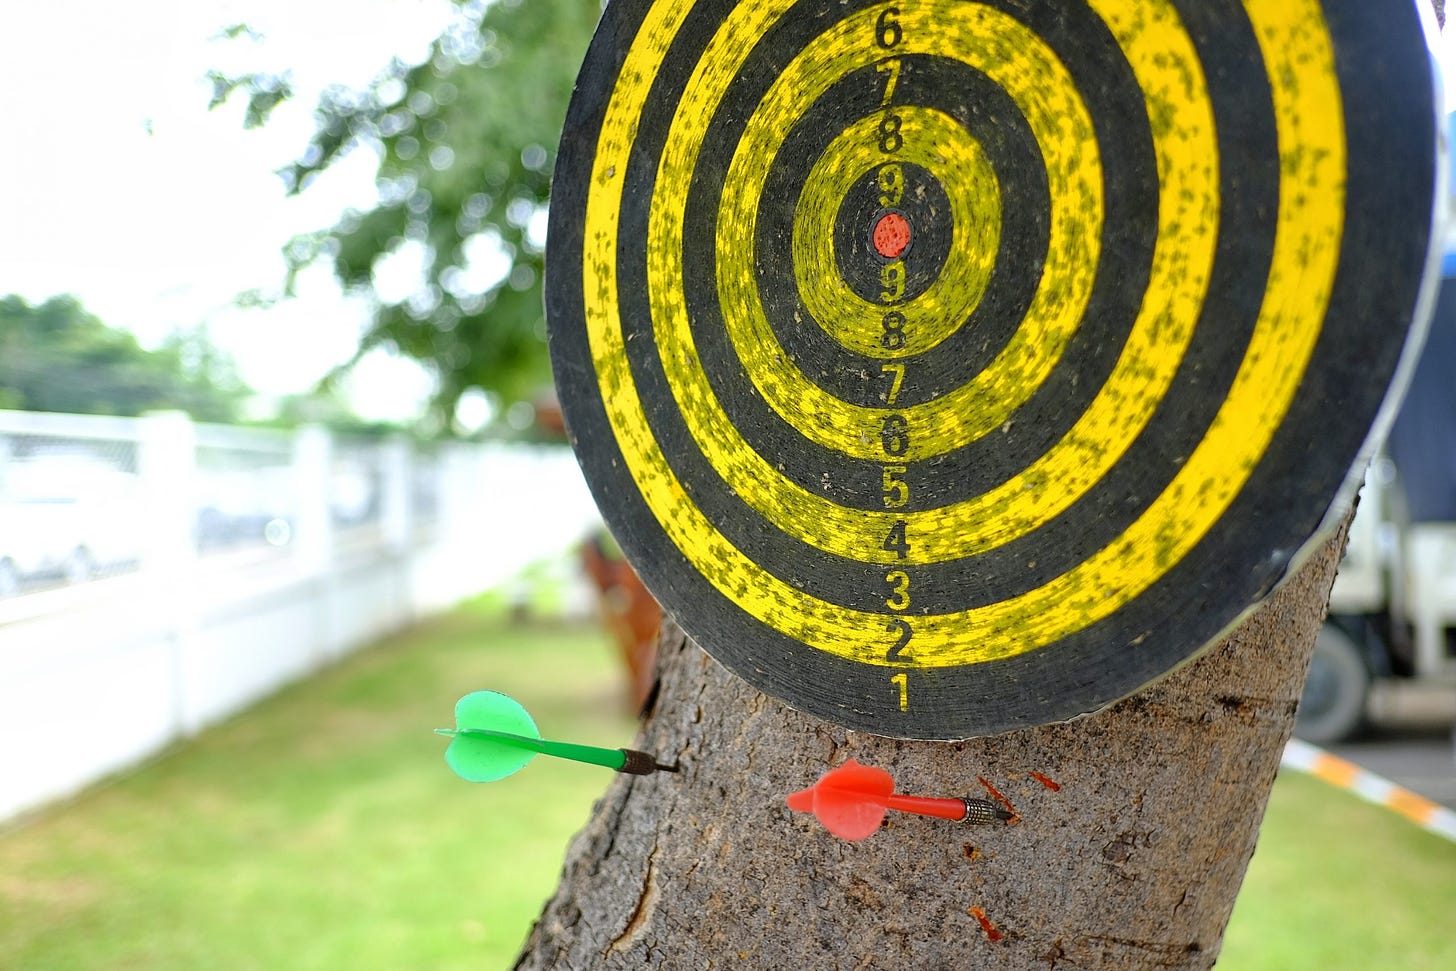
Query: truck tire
(1333,706)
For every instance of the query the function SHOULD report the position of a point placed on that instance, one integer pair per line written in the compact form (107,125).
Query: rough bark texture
(1134,862)
(1136,826)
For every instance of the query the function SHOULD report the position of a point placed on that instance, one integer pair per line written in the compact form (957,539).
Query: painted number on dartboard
(894,429)
(891,141)
(895,436)
(902,628)
(891,178)
(897,542)
(890,68)
(897,381)
(893,337)
(899,582)
(888,32)
(896,491)
(892,284)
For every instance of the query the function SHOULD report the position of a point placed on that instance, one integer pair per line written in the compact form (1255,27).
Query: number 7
(897,380)
(890,66)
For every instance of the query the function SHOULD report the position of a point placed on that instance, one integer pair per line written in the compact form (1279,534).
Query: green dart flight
(495,737)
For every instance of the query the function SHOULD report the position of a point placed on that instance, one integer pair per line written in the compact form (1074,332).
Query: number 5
(896,490)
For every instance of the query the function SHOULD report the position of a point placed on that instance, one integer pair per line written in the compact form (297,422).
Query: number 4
(897,541)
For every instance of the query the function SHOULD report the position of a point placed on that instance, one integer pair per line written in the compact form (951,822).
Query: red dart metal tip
(851,802)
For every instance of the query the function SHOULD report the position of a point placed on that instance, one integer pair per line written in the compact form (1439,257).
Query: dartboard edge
(949,368)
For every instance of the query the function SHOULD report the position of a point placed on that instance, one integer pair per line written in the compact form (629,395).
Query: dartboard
(950,367)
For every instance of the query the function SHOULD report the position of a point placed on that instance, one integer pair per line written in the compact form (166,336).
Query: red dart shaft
(929,806)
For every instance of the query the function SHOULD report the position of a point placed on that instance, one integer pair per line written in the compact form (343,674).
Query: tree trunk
(1134,826)
(1134,829)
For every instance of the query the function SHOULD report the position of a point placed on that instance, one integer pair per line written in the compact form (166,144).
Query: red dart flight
(851,802)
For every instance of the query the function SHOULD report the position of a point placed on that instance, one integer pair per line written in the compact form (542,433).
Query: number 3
(899,582)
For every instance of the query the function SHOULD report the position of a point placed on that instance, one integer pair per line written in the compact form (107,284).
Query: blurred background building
(158,574)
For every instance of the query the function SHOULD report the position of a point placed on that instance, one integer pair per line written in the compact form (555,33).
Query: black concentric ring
(813,511)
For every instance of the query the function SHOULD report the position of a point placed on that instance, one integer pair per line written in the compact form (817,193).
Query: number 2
(901,627)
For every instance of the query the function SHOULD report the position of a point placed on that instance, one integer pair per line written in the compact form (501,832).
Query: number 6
(887,29)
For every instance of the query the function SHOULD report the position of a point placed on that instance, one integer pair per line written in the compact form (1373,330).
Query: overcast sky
(120,187)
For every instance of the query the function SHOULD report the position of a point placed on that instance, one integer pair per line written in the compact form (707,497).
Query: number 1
(903,680)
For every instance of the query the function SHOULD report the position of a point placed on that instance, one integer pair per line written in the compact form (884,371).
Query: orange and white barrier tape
(1430,816)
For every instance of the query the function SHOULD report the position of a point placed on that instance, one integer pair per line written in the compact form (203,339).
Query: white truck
(1390,639)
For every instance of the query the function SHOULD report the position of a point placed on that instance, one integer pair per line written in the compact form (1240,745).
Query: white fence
(157,575)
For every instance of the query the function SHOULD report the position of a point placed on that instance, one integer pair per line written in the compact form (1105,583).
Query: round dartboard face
(952,367)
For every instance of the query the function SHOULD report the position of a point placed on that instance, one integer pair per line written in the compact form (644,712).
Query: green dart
(495,737)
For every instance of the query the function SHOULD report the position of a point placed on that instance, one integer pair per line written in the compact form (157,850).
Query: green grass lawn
(323,830)
(1338,883)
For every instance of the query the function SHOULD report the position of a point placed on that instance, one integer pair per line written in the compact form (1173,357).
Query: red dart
(851,802)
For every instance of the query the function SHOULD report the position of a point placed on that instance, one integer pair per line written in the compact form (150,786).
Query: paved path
(1421,760)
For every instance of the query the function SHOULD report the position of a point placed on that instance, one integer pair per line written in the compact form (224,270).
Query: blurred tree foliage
(57,357)
(466,143)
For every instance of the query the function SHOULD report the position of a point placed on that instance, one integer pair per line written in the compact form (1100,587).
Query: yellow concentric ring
(1305,254)
(1183,256)
(935,142)
(1012,56)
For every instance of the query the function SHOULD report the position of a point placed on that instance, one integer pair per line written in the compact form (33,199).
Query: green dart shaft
(486,754)
(611,758)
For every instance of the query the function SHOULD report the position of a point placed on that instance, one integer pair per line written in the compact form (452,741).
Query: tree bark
(1135,826)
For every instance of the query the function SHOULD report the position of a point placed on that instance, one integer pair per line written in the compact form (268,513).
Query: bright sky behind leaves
(120,187)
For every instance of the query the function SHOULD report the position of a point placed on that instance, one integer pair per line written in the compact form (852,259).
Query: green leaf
(465,142)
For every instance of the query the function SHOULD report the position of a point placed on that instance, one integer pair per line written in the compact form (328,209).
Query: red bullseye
(891,236)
